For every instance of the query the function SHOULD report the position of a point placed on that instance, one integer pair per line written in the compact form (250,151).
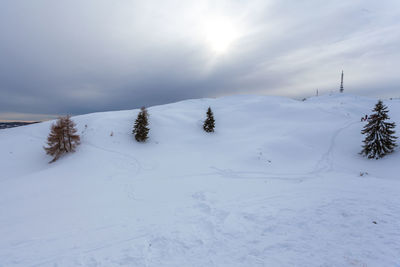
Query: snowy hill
(277,184)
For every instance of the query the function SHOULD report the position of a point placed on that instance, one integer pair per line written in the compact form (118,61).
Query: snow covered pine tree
(209,123)
(62,138)
(140,129)
(380,139)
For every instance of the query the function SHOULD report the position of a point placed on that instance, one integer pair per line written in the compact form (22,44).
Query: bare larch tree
(62,138)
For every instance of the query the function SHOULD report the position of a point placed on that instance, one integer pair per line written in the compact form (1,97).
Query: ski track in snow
(231,174)
(71,254)
(131,158)
(325,163)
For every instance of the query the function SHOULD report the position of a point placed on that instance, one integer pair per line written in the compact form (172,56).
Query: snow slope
(277,184)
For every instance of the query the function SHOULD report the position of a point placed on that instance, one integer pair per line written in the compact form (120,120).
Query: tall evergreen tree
(209,123)
(379,140)
(62,138)
(140,129)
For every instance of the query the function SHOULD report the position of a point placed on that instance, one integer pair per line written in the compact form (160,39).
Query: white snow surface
(277,184)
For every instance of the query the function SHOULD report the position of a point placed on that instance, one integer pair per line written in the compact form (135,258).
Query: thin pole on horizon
(341,83)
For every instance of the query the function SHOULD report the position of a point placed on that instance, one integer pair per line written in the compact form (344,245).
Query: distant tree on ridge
(209,123)
(140,129)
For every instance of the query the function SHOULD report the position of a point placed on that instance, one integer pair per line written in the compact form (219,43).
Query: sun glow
(220,33)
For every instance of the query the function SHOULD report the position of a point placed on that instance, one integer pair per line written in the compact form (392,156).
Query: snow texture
(279,183)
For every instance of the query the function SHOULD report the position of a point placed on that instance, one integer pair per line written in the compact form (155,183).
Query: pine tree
(62,138)
(380,139)
(209,123)
(140,129)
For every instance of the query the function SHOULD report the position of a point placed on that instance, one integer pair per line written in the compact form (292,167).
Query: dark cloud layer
(79,56)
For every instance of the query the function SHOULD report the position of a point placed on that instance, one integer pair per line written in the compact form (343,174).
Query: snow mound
(279,183)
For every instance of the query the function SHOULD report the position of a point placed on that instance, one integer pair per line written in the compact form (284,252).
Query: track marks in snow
(131,159)
(325,163)
(266,228)
(85,257)
(289,177)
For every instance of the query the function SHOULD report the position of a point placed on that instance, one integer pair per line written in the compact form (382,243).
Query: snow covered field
(277,184)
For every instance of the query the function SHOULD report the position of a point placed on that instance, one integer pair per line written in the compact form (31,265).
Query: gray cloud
(76,57)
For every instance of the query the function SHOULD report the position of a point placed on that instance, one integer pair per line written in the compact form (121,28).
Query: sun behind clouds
(220,33)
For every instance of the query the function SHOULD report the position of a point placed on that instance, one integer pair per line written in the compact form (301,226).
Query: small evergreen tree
(209,123)
(140,129)
(62,138)
(380,139)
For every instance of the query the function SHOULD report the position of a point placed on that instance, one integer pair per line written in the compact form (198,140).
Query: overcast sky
(81,56)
